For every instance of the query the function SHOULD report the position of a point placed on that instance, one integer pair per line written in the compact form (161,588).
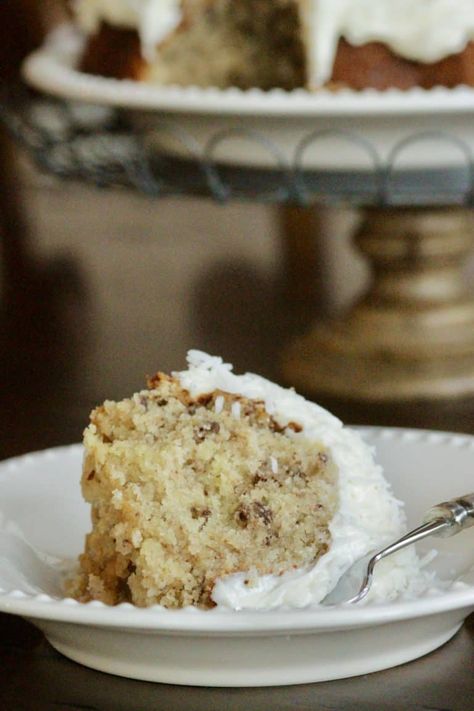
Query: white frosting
(368,514)
(153,19)
(420,30)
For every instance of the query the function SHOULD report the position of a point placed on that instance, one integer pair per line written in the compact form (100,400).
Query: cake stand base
(411,336)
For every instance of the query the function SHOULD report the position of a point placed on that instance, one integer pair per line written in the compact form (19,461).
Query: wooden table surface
(94,311)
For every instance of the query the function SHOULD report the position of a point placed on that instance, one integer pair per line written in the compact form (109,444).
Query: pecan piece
(200,433)
(263,512)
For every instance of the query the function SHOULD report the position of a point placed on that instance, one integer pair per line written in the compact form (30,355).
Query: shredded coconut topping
(235,409)
(219,404)
(369,515)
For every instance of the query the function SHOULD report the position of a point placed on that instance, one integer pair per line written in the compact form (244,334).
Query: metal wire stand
(105,148)
(411,334)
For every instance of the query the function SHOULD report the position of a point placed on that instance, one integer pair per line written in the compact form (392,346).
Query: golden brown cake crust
(114,53)
(184,491)
(375,66)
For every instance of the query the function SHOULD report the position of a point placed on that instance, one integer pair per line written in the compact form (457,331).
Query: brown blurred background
(100,288)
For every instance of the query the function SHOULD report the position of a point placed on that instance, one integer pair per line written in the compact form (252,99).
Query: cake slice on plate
(214,488)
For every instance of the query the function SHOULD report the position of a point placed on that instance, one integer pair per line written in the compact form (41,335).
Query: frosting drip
(153,19)
(368,514)
(424,31)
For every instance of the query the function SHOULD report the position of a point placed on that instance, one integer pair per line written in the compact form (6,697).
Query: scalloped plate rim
(51,69)
(43,607)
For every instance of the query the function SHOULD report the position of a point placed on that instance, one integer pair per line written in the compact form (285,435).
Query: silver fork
(443,520)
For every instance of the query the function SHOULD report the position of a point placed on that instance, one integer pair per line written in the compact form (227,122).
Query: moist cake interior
(244,44)
(187,490)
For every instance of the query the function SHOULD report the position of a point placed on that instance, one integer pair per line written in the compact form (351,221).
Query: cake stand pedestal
(411,335)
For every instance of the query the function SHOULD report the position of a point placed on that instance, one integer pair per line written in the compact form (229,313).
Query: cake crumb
(188,490)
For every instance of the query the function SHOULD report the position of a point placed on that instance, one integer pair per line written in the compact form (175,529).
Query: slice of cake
(210,487)
(281,43)
(218,43)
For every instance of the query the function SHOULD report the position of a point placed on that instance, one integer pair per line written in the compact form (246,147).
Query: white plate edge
(50,69)
(67,610)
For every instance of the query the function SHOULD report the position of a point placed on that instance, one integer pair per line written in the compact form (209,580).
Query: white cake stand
(407,156)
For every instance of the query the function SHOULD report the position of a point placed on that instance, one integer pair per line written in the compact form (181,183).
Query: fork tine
(427,529)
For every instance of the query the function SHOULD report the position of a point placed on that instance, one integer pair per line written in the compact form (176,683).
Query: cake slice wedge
(214,488)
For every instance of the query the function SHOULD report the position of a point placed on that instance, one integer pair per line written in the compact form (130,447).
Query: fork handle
(458,514)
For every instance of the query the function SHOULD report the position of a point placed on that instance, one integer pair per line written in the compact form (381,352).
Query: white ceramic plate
(43,520)
(299,129)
